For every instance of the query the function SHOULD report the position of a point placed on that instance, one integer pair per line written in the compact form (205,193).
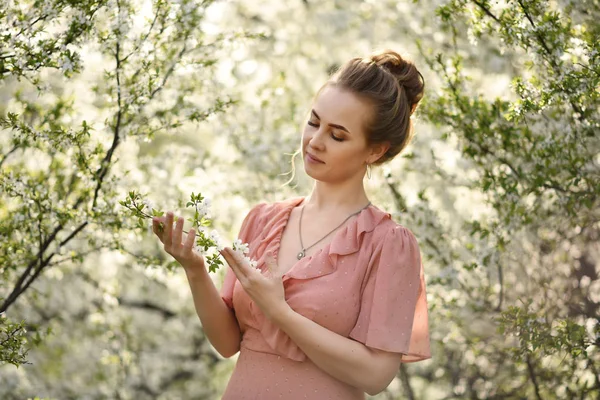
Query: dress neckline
(295,202)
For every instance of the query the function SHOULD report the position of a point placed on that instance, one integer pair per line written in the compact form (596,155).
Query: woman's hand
(266,290)
(171,237)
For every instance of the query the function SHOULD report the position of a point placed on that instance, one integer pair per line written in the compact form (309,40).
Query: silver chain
(303,252)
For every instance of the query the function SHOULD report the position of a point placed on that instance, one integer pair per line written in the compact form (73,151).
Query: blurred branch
(533,377)
(144,38)
(146,305)
(405,379)
(5,156)
(105,164)
(537,33)
(10,335)
(486,10)
(79,254)
(27,277)
(398,198)
(501,282)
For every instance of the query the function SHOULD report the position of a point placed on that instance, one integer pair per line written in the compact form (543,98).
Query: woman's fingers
(233,262)
(168,240)
(189,240)
(156,221)
(156,228)
(178,232)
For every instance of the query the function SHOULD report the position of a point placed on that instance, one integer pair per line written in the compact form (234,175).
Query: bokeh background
(100,98)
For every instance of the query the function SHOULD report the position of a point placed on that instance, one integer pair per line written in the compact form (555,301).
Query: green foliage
(13,342)
(535,150)
(154,78)
(536,335)
(513,290)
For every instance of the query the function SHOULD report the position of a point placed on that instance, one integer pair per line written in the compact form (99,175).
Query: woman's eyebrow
(332,125)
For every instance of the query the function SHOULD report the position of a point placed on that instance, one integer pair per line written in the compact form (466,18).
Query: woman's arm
(369,369)
(349,361)
(218,321)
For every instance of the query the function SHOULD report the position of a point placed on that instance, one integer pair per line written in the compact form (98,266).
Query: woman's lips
(313,159)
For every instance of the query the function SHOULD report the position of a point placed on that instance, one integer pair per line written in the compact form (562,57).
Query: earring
(369,171)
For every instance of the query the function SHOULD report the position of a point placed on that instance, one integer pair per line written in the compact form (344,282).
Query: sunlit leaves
(536,148)
(71,197)
(13,342)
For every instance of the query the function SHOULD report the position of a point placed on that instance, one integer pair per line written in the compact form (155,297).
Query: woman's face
(334,135)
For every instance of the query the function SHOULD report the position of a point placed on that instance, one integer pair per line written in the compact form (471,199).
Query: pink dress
(366,284)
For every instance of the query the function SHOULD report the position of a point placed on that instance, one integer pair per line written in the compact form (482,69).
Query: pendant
(301,254)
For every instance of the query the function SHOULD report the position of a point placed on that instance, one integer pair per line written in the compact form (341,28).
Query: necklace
(303,252)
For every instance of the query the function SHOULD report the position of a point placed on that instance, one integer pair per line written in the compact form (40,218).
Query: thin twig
(5,156)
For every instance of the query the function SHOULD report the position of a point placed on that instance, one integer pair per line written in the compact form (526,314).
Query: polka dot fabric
(366,284)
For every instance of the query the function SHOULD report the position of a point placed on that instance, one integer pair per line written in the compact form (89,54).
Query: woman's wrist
(194,269)
(281,314)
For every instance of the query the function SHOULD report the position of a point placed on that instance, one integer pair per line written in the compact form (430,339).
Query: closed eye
(337,139)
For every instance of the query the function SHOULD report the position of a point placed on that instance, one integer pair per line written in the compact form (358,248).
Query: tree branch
(487,11)
(5,156)
(501,281)
(146,305)
(24,283)
(405,379)
(533,378)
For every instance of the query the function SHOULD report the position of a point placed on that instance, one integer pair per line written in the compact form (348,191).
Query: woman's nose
(316,140)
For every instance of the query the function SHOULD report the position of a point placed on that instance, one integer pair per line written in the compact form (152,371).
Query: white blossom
(148,204)
(66,65)
(198,249)
(81,18)
(214,236)
(19,217)
(239,246)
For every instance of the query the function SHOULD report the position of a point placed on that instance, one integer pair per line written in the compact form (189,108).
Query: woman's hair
(393,86)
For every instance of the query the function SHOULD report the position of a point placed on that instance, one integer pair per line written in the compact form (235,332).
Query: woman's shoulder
(389,227)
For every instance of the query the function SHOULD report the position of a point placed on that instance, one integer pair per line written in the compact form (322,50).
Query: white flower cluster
(198,249)
(242,249)
(239,246)
(148,204)
(204,207)
(122,23)
(214,236)
(81,17)
(65,64)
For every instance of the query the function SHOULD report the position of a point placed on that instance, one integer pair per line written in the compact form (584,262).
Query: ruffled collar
(348,239)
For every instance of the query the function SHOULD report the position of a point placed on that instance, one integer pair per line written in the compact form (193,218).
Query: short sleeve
(247,232)
(393,312)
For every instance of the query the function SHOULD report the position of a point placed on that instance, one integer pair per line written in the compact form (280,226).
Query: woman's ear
(377,151)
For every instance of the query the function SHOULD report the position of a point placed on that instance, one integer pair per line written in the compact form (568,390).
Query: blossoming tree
(500,185)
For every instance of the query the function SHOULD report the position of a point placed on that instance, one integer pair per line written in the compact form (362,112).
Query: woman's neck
(326,198)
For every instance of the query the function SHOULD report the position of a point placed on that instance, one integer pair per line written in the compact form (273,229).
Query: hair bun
(405,73)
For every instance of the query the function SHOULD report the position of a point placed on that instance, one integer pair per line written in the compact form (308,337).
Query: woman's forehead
(342,107)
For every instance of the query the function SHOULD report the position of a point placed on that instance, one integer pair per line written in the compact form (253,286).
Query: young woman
(337,300)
